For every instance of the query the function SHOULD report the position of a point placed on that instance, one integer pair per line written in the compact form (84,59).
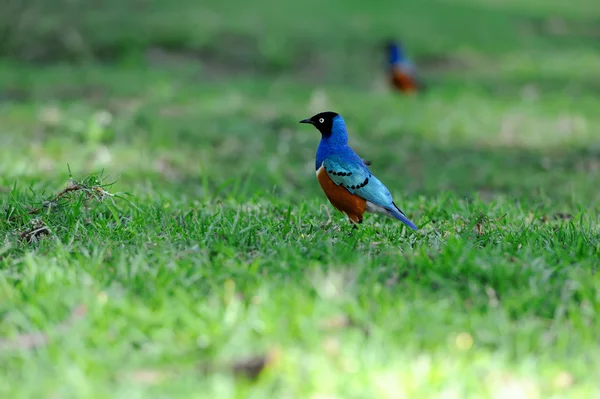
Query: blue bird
(344,176)
(402,72)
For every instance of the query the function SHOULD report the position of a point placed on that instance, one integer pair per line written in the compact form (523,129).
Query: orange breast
(352,205)
(403,82)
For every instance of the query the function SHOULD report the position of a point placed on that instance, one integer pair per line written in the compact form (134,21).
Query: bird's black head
(390,44)
(322,121)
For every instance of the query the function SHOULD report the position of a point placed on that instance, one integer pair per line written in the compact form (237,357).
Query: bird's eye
(321,120)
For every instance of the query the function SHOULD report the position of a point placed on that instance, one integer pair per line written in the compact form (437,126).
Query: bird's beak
(307,120)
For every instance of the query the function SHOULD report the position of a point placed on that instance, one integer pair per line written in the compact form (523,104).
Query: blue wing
(407,67)
(352,174)
(349,171)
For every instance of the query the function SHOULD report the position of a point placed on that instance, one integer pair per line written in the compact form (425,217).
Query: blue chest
(323,151)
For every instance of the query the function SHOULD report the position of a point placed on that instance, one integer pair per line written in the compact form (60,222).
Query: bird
(402,72)
(344,176)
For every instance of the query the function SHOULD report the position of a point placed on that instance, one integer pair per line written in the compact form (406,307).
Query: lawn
(163,234)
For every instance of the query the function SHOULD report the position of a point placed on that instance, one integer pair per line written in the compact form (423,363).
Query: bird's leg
(353,229)
(354,221)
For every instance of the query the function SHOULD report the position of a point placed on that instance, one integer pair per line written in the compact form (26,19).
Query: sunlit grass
(213,249)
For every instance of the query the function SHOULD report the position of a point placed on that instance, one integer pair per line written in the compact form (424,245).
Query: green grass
(199,237)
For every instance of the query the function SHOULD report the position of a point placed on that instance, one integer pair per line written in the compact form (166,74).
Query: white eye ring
(321,120)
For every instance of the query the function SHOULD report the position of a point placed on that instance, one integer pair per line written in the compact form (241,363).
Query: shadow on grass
(41,32)
(517,172)
(567,177)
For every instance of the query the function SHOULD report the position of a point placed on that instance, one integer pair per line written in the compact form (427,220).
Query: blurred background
(180,91)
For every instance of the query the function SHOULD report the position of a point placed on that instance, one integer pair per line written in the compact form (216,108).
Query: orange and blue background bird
(345,178)
(401,71)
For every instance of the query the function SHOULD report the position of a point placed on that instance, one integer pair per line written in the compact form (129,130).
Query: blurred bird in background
(402,72)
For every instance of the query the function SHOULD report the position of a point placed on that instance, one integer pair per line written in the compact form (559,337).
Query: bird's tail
(398,214)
